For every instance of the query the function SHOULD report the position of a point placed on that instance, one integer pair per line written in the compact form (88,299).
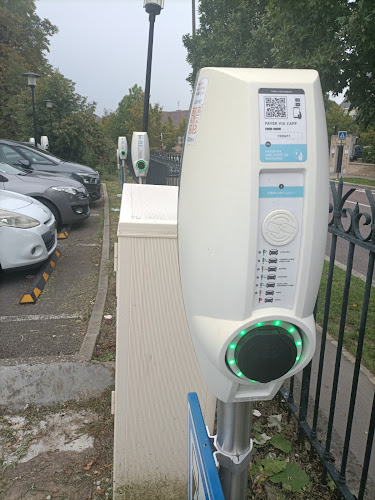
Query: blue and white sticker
(282,122)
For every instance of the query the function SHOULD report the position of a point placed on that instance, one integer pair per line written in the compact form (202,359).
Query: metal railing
(164,168)
(346,224)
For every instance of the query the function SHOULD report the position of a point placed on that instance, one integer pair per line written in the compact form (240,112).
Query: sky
(102,47)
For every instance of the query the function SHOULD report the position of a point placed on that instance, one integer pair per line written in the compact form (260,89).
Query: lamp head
(153,6)
(49,103)
(31,78)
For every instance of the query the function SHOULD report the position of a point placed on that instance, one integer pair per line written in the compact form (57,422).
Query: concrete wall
(360,169)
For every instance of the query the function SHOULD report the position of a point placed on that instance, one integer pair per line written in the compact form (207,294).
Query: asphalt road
(56,324)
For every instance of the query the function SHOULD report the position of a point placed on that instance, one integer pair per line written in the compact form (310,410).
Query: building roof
(176,116)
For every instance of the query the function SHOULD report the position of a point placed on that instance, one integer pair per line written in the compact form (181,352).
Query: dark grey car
(67,199)
(19,154)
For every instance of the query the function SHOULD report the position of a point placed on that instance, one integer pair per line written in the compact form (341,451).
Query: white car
(28,233)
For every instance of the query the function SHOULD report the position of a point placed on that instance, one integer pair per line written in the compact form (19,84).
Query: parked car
(67,199)
(28,156)
(27,231)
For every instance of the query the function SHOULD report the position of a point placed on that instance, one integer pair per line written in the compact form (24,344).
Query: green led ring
(123,153)
(142,162)
(230,354)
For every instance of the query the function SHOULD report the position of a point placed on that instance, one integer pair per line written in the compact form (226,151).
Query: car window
(9,169)
(9,155)
(35,157)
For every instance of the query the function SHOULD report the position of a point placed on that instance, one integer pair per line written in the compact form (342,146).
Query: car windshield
(45,152)
(35,157)
(9,169)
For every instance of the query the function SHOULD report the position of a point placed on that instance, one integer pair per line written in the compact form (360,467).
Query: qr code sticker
(275,107)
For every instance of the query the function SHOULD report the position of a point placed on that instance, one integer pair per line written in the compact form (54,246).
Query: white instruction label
(282,121)
(279,237)
(196,109)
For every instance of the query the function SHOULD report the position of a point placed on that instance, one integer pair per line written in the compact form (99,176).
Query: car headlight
(66,189)
(13,219)
(88,178)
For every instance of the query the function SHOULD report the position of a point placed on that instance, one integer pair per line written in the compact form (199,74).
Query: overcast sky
(102,47)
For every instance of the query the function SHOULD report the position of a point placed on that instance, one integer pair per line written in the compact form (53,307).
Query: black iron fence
(164,168)
(350,231)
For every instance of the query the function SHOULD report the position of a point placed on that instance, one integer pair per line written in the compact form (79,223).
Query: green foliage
(358,65)
(232,33)
(120,121)
(170,134)
(337,117)
(23,43)
(367,140)
(335,38)
(305,35)
(281,443)
(272,467)
(292,478)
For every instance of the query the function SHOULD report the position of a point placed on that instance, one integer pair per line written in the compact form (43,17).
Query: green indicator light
(259,324)
(141,165)
(239,374)
(297,358)
(299,342)
(232,361)
(292,330)
(277,323)
(253,381)
(232,346)
(243,332)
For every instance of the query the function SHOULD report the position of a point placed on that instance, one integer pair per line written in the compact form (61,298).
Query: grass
(353,316)
(359,180)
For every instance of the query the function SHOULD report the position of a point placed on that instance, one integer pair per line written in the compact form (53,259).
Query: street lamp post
(49,105)
(31,82)
(153,8)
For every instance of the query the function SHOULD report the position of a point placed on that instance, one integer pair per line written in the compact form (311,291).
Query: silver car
(27,232)
(67,199)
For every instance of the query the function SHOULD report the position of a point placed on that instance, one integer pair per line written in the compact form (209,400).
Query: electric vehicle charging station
(252,223)
(122,153)
(140,150)
(44,142)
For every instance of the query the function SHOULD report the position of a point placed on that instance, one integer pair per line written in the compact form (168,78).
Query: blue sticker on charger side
(277,192)
(283,153)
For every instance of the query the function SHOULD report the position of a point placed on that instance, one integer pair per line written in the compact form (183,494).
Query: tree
(170,134)
(120,122)
(337,38)
(338,119)
(66,101)
(305,34)
(23,43)
(232,33)
(359,65)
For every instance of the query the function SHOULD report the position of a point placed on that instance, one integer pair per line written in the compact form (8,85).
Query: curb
(39,282)
(93,328)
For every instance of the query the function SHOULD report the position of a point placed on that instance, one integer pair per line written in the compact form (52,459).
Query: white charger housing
(122,148)
(44,142)
(252,225)
(140,153)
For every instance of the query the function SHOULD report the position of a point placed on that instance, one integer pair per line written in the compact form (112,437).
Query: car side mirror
(3,179)
(25,163)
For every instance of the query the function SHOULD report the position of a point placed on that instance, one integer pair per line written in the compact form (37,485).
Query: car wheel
(53,209)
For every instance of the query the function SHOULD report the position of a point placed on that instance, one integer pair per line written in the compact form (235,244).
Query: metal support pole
(148,73)
(193,14)
(52,136)
(233,439)
(34,116)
